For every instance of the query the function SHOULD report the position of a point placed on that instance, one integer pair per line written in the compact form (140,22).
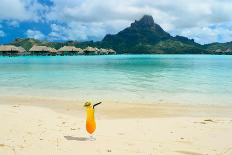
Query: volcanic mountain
(145,36)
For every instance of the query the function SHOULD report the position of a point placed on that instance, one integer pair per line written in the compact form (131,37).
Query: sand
(39,126)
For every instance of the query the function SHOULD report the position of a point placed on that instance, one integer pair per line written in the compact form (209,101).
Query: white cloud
(35,34)
(2,33)
(77,31)
(22,10)
(58,32)
(208,34)
(13,9)
(180,13)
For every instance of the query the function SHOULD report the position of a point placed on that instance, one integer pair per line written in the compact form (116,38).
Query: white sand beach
(57,127)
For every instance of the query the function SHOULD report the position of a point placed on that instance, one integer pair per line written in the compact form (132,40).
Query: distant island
(142,37)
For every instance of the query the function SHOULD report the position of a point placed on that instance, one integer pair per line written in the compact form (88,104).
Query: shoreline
(121,110)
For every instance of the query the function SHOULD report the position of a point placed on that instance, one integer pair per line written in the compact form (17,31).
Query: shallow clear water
(188,79)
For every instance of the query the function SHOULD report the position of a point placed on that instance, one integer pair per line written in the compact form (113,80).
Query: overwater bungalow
(70,50)
(103,51)
(111,51)
(42,50)
(11,50)
(90,51)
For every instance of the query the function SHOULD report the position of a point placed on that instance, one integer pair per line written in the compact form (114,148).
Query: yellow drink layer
(90,121)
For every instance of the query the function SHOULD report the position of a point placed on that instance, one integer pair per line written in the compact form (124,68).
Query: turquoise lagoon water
(185,79)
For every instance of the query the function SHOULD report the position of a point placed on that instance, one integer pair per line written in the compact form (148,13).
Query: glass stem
(91,138)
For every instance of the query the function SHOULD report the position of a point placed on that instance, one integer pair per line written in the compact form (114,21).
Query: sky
(205,21)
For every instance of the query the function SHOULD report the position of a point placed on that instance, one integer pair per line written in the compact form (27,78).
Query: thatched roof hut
(42,50)
(90,50)
(11,49)
(36,48)
(70,49)
(8,48)
(103,51)
(111,51)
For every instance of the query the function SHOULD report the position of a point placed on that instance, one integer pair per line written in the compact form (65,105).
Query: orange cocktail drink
(90,120)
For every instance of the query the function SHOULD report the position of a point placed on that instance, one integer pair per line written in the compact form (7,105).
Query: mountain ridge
(145,36)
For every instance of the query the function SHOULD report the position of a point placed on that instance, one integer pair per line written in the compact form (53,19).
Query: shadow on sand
(76,138)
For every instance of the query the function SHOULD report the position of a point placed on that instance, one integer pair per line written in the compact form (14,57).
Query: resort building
(70,50)
(111,51)
(91,51)
(11,50)
(94,51)
(46,51)
(42,50)
(103,51)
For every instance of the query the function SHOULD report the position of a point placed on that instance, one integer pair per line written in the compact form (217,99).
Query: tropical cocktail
(90,120)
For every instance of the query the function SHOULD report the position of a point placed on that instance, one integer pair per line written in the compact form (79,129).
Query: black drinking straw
(96,104)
